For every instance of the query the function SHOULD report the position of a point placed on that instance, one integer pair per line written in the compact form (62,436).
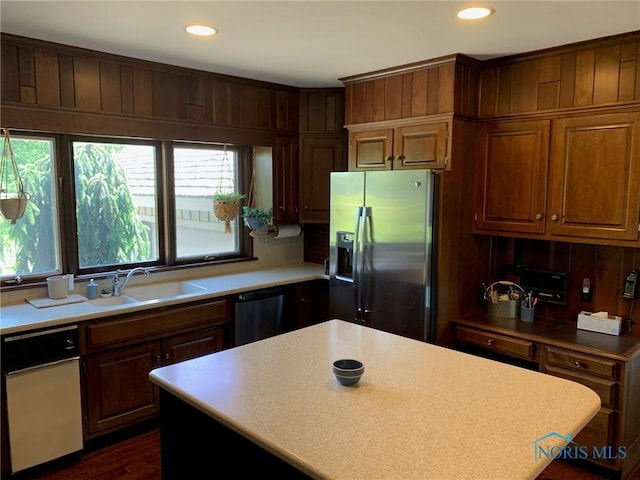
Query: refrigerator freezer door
(347,198)
(397,252)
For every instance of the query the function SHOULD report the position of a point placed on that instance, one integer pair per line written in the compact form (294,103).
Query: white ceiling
(312,43)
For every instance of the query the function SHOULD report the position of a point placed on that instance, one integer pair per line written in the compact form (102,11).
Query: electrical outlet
(630,285)
(586,294)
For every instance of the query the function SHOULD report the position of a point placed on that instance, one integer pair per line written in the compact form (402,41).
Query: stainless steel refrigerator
(381,240)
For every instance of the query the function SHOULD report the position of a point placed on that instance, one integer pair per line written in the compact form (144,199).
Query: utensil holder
(527,314)
(507,306)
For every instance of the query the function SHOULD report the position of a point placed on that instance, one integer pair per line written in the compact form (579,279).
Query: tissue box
(600,322)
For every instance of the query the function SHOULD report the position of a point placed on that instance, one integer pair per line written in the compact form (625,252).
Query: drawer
(599,432)
(606,389)
(582,362)
(104,333)
(493,342)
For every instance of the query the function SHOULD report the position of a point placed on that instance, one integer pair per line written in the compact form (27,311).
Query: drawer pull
(577,364)
(490,342)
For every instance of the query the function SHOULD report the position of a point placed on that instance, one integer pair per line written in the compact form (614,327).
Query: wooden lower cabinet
(601,375)
(312,303)
(118,390)
(612,437)
(118,355)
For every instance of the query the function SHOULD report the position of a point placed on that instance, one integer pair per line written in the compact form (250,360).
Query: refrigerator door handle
(367,241)
(357,267)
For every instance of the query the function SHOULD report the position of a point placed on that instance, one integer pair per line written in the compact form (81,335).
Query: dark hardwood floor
(138,458)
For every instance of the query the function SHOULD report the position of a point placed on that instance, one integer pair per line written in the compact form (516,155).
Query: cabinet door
(511,179)
(118,389)
(320,156)
(285,180)
(371,150)
(421,146)
(312,303)
(595,177)
(191,345)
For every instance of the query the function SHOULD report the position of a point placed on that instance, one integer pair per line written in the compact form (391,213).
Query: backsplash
(278,251)
(606,267)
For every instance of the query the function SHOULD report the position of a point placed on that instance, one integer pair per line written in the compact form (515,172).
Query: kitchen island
(420,411)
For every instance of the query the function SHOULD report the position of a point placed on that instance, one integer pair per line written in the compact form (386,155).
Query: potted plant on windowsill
(226,206)
(256,218)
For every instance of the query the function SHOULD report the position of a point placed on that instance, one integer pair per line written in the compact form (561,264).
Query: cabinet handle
(166,356)
(577,364)
(554,217)
(490,342)
(158,359)
(400,158)
(389,158)
(306,207)
(539,216)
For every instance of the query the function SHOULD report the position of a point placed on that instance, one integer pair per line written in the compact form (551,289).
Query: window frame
(165,205)
(244,245)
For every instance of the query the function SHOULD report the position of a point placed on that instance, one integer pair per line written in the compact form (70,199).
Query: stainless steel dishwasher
(42,375)
(259,314)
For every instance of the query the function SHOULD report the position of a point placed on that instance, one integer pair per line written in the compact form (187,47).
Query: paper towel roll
(287,231)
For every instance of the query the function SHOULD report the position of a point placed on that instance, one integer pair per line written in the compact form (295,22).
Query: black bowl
(348,371)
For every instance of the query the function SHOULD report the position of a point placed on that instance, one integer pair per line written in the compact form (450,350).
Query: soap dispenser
(92,290)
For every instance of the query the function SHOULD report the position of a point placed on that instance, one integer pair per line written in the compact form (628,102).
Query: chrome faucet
(119,286)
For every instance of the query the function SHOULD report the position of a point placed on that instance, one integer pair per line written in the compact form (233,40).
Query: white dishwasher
(42,375)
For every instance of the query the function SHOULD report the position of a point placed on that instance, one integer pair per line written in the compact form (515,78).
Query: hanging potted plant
(13,198)
(256,218)
(226,207)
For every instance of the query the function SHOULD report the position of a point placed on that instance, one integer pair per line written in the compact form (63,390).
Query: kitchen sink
(162,290)
(112,301)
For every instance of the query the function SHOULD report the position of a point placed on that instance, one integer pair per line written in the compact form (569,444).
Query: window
(32,245)
(199,173)
(115,203)
(123,203)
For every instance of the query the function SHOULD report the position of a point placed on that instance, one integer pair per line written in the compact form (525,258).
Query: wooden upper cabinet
(511,176)
(320,155)
(581,182)
(401,117)
(371,150)
(425,145)
(421,146)
(595,177)
(285,180)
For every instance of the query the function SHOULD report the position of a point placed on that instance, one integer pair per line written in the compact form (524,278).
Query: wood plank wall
(322,111)
(440,86)
(607,268)
(55,78)
(586,74)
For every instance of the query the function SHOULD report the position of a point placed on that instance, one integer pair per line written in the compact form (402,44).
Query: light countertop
(21,316)
(420,411)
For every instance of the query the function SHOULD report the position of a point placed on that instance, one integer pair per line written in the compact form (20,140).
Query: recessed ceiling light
(473,13)
(201,30)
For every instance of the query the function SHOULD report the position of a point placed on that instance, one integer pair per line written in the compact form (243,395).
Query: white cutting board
(53,302)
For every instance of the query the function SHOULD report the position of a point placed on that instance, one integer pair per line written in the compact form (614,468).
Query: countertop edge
(12,319)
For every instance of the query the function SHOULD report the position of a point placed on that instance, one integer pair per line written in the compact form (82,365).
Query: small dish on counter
(348,371)
(105,294)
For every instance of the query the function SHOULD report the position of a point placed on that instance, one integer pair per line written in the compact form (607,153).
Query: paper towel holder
(278,231)
(287,230)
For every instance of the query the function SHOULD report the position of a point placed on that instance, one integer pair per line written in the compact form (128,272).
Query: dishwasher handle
(259,294)
(41,366)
